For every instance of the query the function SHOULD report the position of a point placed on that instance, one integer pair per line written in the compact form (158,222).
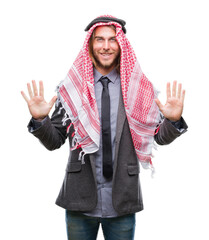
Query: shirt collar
(113,75)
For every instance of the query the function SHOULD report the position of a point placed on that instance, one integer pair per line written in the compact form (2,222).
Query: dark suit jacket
(79,189)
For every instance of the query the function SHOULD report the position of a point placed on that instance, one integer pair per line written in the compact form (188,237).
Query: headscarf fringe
(81,157)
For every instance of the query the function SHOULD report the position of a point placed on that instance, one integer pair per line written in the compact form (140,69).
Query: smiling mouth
(106,54)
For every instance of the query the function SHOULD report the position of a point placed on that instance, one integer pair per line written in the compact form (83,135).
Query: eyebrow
(103,37)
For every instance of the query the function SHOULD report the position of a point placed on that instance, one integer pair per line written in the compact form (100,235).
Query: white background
(39,40)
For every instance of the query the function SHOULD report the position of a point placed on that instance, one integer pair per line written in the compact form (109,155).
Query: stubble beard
(106,66)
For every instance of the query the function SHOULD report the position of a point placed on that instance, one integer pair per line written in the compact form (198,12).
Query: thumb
(53,100)
(159,104)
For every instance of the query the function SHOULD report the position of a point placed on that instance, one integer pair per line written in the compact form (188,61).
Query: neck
(104,71)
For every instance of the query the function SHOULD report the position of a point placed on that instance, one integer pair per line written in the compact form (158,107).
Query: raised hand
(37,105)
(173,108)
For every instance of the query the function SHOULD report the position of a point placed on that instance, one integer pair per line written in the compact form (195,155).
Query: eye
(98,39)
(113,39)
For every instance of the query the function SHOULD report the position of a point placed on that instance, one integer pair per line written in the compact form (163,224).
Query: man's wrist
(38,119)
(37,123)
(177,124)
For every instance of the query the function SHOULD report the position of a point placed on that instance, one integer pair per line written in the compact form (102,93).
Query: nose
(106,45)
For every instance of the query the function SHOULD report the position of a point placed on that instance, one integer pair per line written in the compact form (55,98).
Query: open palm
(173,108)
(37,105)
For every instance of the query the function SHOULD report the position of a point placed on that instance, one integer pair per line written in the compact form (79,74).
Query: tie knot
(104,81)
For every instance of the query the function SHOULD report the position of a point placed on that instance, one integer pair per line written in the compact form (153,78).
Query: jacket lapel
(120,123)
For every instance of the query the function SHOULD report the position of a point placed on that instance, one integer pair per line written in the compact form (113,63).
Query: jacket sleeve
(52,133)
(167,132)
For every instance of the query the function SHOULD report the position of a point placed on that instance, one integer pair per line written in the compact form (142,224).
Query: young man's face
(105,49)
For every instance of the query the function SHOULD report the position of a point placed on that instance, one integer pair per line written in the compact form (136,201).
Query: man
(109,111)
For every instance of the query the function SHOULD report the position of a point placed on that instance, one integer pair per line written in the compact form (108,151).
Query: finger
(159,104)
(168,90)
(35,90)
(29,90)
(183,96)
(179,90)
(53,100)
(174,89)
(24,96)
(41,89)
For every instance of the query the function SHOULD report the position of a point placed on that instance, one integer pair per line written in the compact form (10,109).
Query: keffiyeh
(76,93)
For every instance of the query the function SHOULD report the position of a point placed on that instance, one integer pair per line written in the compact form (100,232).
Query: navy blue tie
(106,130)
